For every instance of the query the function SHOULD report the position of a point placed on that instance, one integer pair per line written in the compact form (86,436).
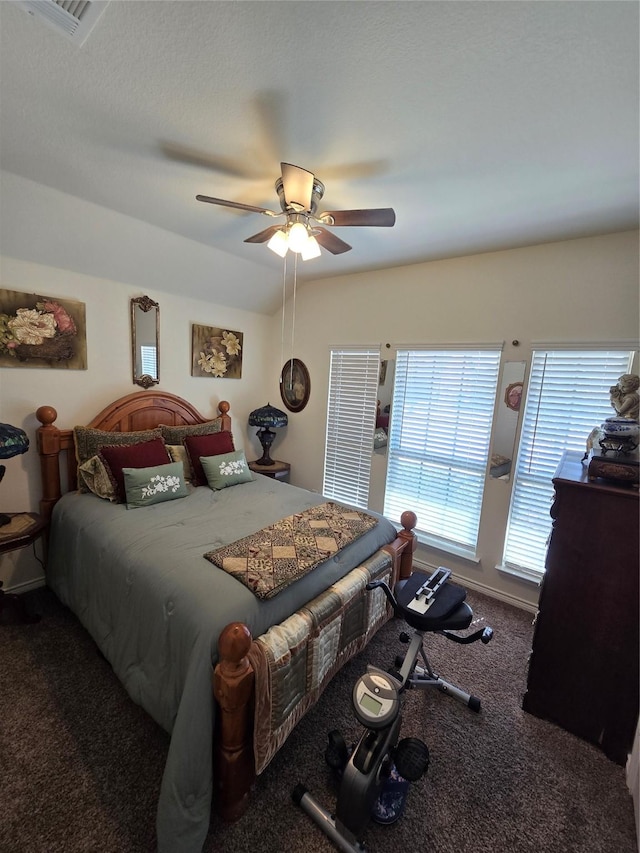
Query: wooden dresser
(583,669)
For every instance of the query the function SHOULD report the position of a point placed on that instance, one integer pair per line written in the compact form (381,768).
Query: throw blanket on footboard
(276,556)
(295,660)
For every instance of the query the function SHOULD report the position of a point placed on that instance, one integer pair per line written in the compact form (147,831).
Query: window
(351,417)
(568,396)
(439,436)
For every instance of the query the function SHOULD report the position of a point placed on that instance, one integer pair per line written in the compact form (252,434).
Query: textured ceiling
(486,125)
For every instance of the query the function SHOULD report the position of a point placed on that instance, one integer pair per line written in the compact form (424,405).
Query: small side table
(277,471)
(23,529)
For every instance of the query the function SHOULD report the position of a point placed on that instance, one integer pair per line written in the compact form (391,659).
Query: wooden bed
(233,677)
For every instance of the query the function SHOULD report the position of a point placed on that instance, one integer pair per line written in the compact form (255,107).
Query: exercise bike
(427,604)
(376,702)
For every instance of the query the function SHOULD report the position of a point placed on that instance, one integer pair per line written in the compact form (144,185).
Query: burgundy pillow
(206,445)
(145,454)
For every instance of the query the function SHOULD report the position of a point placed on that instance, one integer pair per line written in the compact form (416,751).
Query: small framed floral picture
(42,331)
(216,352)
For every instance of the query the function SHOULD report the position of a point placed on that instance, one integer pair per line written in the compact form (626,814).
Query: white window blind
(351,417)
(439,437)
(148,357)
(568,395)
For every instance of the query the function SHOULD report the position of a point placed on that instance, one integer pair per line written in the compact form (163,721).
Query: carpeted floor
(80,764)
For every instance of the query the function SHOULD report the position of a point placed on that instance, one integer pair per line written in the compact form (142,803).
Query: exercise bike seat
(448,612)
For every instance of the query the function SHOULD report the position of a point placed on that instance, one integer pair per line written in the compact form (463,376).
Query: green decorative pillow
(94,477)
(226,469)
(177,434)
(147,486)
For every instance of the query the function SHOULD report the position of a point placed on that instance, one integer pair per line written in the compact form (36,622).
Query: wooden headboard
(138,411)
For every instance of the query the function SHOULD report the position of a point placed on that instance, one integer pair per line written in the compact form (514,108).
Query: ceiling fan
(303,230)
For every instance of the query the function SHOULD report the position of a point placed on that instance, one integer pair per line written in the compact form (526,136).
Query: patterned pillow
(143,455)
(147,486)
(226,469)
(206,445)
(177,434)
(178,452)
(89,441)
(94,477)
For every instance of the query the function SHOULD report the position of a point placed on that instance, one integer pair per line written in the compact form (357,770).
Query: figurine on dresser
(624,396)
(621,432)
(618,436)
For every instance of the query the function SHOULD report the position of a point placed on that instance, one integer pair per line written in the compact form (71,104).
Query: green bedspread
(138,581)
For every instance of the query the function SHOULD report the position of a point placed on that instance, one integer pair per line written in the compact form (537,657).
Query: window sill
(522,574)
(447,547)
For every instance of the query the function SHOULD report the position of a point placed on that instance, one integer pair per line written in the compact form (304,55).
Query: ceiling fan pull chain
(293,317)
(284,302)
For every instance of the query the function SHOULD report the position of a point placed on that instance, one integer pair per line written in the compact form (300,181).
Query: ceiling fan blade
(237,205)
(330,242)
(297,184)
(384,217)
(225,165)
(263,236)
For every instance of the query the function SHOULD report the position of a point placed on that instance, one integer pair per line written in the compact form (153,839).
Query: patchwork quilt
(296,659)
(268,561)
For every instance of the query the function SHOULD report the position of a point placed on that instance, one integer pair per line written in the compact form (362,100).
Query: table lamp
(267,418)
(13,441)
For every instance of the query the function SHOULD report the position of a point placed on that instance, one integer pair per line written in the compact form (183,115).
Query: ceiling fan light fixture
(298,237)
(279,243)
(311,249)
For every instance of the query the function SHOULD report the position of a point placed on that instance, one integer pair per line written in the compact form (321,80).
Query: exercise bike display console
(375,699)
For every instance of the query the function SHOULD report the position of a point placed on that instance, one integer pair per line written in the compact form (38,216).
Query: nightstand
(277,471)
(23,529)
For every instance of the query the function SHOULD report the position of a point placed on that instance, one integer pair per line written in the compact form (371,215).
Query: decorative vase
(620,435)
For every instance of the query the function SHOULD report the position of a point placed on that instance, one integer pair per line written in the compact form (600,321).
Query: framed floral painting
(216,352)
(40,331)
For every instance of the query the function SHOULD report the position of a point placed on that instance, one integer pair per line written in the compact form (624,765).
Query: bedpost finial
(234,642)
(408,519)
(223,407)
(46,415)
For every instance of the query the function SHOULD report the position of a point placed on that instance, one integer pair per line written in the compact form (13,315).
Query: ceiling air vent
(73,18)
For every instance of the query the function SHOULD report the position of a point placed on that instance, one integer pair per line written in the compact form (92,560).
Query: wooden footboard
(234,691)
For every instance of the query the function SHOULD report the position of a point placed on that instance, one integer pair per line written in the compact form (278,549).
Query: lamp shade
(268,416)
(13,441)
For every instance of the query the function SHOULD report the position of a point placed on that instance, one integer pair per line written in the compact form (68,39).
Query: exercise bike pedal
(336,754)
(412,758)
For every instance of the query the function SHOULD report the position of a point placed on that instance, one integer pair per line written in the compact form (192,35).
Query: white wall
(78,395)
(578,290)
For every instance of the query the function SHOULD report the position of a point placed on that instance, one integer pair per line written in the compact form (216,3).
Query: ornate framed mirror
(145,341)
(505,428)
(295,385)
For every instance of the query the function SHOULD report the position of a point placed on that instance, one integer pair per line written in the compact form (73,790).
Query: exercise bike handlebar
(385,588)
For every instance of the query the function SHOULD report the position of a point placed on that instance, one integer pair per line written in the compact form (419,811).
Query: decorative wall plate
(513,396)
